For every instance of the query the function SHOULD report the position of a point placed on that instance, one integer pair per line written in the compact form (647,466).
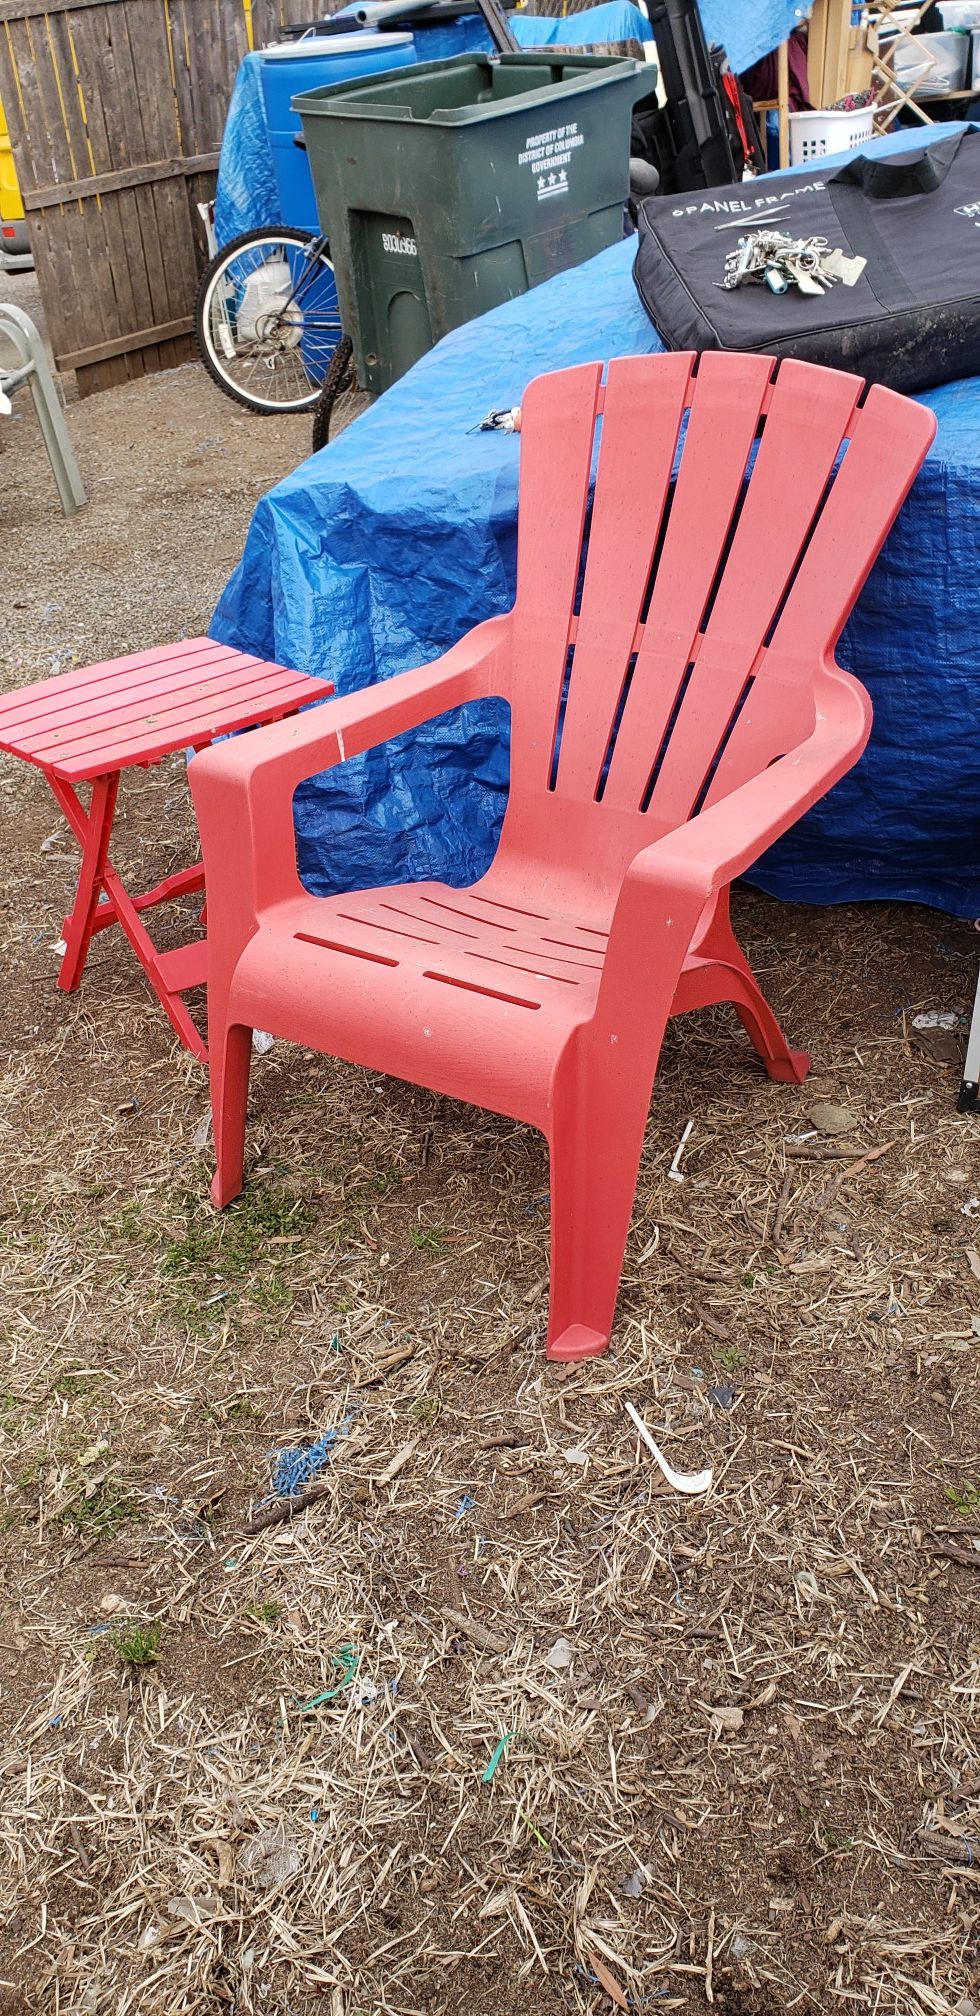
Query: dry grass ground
(749,1779)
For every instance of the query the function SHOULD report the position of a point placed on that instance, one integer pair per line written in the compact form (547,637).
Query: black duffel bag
(913,317)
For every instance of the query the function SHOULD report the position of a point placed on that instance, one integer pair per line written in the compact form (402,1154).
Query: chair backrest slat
(641,420)
(728,397)
(807,419)
(888,437)
(559,416)
(671,652)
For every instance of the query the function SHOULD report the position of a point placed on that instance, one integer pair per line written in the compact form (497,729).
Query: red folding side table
(88,726)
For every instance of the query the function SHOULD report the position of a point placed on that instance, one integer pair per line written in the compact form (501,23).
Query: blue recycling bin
(291,67)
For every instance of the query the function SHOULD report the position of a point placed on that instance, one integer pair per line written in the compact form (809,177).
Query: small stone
(559,1656)
(829,1118)
(728,1721)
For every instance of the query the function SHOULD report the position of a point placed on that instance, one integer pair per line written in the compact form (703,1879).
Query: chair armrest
(243,788)
(669,883)
(721,842)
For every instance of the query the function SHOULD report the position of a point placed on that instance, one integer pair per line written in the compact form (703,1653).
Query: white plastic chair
(35,371)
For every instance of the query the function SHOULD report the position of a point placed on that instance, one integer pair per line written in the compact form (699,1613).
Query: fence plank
(119,178)
(138,339)
(35,10)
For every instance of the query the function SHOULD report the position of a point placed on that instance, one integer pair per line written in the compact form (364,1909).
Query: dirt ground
(499,1723)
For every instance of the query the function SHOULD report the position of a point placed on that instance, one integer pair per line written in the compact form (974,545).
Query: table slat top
(134,710)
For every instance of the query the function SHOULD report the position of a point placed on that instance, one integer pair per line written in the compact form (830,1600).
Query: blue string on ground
(293,1468)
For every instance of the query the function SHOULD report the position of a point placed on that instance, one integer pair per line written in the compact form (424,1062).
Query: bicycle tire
(339,371)
(341,398)
(301,342)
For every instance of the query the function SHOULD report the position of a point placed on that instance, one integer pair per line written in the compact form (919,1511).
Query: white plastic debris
(689,1482)
(202,1132)
(262,1042)
(193,1910)
(559,1655)
(271,1857)
(674,1172)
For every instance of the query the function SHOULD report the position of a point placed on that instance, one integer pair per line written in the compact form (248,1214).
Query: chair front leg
(596,1140)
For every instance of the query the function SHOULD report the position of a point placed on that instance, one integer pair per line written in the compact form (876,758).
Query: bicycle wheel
(340,398)
(266,319)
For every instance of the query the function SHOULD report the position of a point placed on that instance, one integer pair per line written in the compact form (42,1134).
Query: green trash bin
(449,187)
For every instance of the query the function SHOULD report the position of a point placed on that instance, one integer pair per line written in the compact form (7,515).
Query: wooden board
(839,55)
(827,51)
(116,110)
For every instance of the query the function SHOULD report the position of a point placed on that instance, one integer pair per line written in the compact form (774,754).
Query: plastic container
(960,13)
(458,185)
(289,67)
(931,66)
(812,134)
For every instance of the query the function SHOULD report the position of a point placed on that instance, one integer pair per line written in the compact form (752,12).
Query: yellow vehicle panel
(11,206)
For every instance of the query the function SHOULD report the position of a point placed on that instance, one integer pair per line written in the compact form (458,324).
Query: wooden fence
(116,110)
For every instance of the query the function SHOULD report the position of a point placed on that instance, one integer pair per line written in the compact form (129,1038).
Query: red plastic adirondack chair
(669,721)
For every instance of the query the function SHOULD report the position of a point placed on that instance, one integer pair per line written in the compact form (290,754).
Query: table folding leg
(101,899)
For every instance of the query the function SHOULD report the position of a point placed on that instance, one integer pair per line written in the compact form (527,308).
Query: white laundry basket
(813,134)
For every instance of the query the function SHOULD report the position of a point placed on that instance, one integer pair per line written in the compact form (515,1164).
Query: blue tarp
(247,199)
(748,29)
(381,551)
